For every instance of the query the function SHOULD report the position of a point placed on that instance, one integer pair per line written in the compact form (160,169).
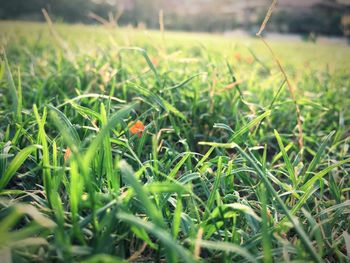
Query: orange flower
(137,128)
(238,56)
(250,60)
(67,154)
(154,61)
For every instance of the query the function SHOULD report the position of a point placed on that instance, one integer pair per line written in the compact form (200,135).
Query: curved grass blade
(315,161)
(68,125)
(250,125)
(177,167)
(286,159)
(148,60)
(322,173)
(227,247)
(184,82)
(150,208)
(15,164)
(158,232)
(91,95)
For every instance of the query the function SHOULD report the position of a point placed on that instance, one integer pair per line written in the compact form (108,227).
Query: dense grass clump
(212,171)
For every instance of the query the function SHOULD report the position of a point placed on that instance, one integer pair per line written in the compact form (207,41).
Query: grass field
(129,145)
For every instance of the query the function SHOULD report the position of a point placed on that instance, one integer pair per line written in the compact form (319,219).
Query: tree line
(319,21)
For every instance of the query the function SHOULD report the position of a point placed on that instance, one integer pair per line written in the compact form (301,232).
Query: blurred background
(309,18)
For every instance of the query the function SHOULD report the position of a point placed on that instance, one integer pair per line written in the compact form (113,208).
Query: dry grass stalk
(60,42)
(162,31)
(138,253)
(53,31)
(197,246)
(289,84)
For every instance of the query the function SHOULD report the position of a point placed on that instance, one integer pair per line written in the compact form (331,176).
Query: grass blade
(160,233)
(16,164)
(249,126)
(286,160)
(315,161)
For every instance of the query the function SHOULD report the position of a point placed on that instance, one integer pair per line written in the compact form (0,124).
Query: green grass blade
(177,167)
(227,247)
(19,97)
(12,86)
(67,125)
(315,161)
(215,188)
(147,59)
(15,164)
(107,153)
(45,148)
(158,232)
(265,226)
(286,159)
(177,218)
(249,126)
(150,208)
(115,118)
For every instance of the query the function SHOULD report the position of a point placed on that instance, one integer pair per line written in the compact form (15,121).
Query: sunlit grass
(119,145)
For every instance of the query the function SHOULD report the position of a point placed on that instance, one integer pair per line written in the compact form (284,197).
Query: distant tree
(209,16)
(320,20)
(67,10)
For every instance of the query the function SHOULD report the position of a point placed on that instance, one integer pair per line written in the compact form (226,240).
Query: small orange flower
(154,61)
(250,60)
(137,128)
(67,154)
(238,56)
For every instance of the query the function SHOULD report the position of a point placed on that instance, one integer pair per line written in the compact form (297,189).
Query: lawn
(120,145)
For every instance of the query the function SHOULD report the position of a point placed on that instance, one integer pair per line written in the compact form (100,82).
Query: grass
(216,176)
